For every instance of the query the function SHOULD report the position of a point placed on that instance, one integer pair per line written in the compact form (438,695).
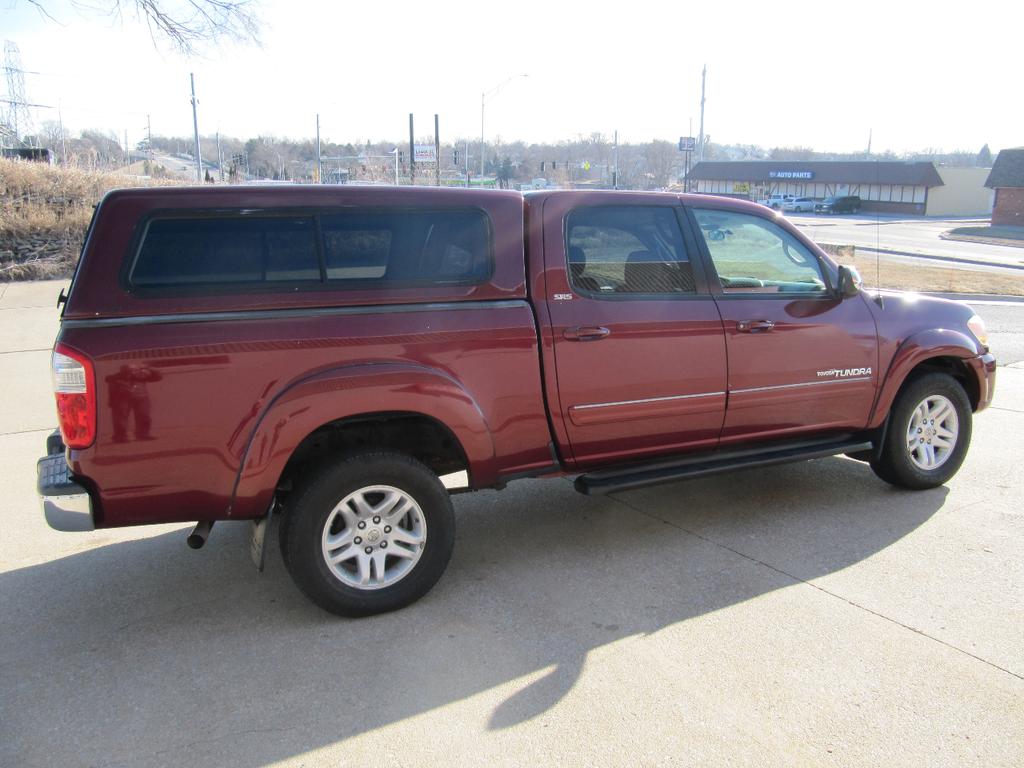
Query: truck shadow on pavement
(144,652)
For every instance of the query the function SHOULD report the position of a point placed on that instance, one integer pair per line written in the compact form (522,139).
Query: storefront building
(888,187)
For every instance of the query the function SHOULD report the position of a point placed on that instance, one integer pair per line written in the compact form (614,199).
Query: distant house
(1007,179)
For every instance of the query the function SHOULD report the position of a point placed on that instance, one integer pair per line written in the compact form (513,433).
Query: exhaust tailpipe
(199,534)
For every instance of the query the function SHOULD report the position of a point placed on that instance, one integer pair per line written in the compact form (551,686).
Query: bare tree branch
(43,12)
(185,24)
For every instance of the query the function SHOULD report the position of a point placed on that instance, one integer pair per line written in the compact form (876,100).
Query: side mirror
(849,281)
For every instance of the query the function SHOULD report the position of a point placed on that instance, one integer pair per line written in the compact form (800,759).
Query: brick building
(1007,179)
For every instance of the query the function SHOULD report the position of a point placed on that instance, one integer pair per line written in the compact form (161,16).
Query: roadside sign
(687,144)
(424,153)
(741,187)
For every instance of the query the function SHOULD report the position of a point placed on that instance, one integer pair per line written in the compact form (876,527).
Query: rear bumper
(984,367)
(67,505)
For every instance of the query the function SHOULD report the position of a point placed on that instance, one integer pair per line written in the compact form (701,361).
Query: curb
(936,257)
(1004,241)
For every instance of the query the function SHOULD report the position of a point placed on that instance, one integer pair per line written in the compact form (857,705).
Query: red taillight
(74,385)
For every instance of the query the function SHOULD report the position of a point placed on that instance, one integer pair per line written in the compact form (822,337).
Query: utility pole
(467,163)
(195,129)
(220,160)
(703,78)
(483,102)
(412,154)
(868,156)
(63,144)
(149,138)
(396,166)
(437,151)
(615,173)
(319,162)
(686,176)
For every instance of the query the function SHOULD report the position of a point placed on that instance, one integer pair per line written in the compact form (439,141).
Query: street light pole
(319,160)
(483,102)
(195,128)
(615,173)
(703,138)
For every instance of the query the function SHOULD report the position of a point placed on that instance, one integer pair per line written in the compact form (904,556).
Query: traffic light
(553,165)
(456,157)
(542,166)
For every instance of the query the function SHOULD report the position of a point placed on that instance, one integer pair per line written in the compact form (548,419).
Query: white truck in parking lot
(776,202)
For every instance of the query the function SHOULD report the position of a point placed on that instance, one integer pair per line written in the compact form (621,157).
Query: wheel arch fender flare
(930,344)
(351,391)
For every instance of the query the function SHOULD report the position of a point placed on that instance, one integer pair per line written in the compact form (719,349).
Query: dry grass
(44,213)
(924,277)
(40,197)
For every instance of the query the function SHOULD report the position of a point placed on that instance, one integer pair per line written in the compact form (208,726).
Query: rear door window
(615,250)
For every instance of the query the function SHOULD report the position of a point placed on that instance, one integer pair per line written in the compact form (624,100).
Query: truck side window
(626,249)
(226,250)
(753,255)
(407,246)
(360,245)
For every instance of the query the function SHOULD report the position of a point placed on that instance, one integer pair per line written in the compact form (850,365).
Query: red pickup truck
(332,354)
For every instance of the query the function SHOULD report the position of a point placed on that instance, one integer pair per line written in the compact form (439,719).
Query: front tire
(929,433)
(370,534)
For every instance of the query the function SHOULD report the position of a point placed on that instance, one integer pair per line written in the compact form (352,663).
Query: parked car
(776,202)
(799,204)
(847,204)
(329,354)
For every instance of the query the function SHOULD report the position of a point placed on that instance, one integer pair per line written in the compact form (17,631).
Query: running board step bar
(640,476)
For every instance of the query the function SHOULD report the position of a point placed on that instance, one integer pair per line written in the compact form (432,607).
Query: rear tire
(929,433)
(370,534)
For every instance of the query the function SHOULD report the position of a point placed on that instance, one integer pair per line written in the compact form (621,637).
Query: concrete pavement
(801,615)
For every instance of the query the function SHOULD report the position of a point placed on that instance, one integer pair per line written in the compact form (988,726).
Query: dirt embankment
(44,213)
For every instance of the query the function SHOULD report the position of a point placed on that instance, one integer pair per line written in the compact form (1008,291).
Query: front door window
(753,255)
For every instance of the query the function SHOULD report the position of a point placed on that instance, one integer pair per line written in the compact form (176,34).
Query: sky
(916,75)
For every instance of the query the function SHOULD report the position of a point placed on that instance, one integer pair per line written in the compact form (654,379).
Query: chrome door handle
(754,326)
(586,333)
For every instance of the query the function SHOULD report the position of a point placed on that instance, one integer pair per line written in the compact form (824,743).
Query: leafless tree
(185,24)
(792,153)
(661,158)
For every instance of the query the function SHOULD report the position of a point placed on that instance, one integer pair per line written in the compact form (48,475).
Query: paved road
(1005,324)
(802,615)
(908,236)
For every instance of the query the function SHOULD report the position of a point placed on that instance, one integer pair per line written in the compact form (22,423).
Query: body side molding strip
(270,314)
(801,384)
(647,400)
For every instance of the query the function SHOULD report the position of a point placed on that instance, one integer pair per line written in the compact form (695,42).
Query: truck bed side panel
(179,401)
